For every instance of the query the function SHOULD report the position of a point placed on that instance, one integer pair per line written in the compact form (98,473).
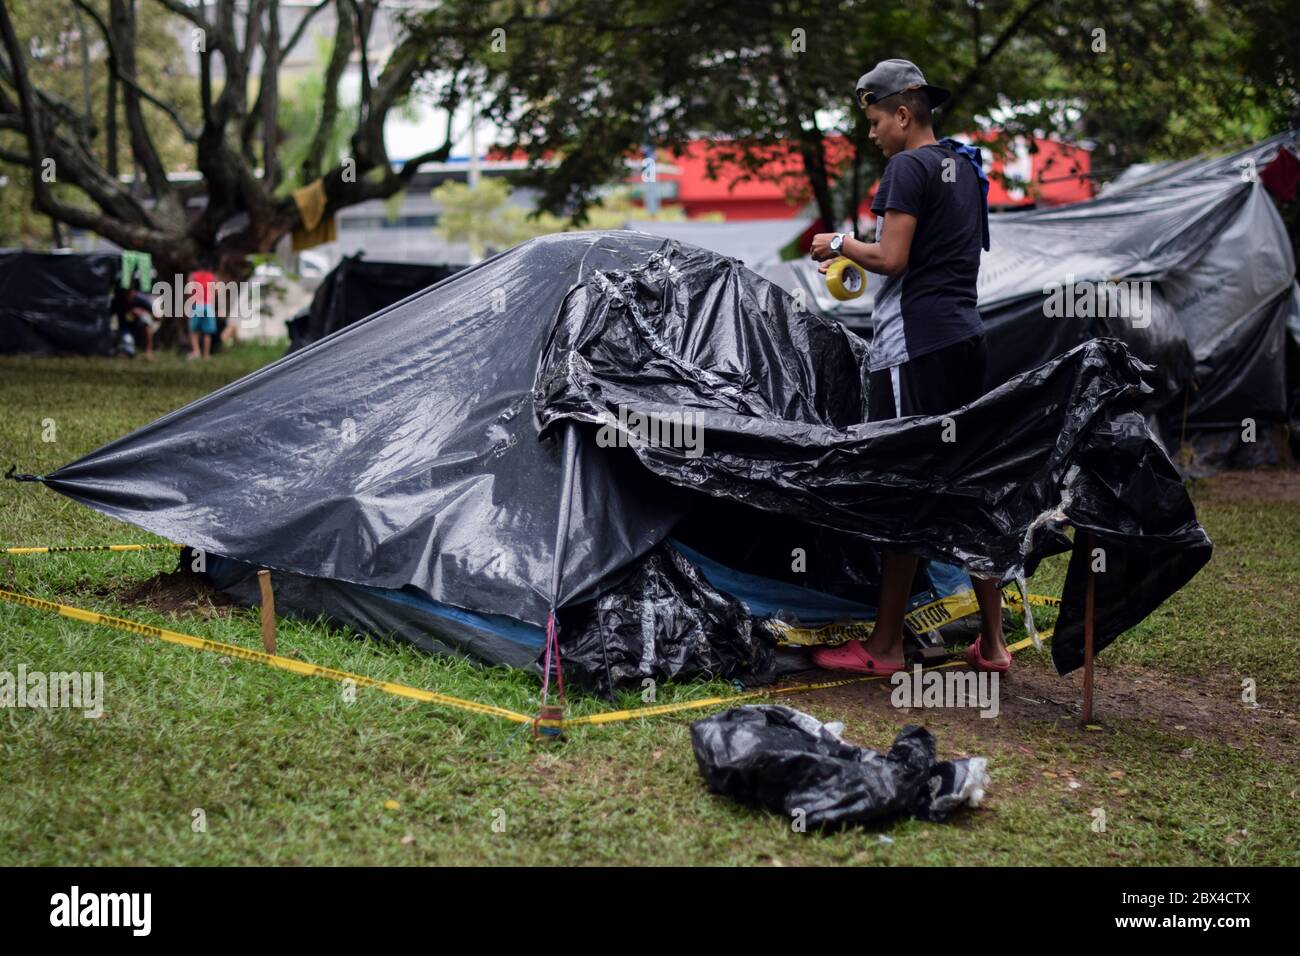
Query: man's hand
(821,246)
(888,257)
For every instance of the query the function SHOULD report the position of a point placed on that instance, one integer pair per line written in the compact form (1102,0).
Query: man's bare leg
(194,345)
(886,641)
(992,647)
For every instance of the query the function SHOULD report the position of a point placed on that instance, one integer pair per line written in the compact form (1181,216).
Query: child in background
(203,313)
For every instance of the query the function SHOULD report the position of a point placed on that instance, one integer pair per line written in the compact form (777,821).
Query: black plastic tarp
(402,450)
(56,302)
(775,390)
(422,447)
(358,287)
(664,622)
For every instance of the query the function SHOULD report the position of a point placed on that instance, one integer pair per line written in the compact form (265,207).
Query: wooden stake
(268,610)
(1088,605)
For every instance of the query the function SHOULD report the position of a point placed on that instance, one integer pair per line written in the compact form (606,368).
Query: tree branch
(1005,37)
(311,166)
(122,29)
(128,235)
(365,20)
(302,27)
(268,96)
(191,135)
(74,163)
(231,102)
(182,9)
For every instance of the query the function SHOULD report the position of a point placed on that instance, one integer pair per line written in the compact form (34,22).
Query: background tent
(53,302)
(355,288)
(476,467)
(1207,236)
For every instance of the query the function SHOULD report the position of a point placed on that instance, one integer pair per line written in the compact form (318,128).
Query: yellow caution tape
(261,657)
(91,547)
(618,716)
(927,617)
(430,697)
(1013,598)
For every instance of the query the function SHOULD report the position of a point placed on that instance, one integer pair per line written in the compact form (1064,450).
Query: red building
(1041,172)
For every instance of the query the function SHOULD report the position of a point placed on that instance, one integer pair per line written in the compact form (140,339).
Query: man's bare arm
(886,257)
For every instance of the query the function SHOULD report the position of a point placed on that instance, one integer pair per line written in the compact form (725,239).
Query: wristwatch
(837,243)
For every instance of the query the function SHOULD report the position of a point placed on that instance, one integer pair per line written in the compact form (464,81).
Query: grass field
(281,769)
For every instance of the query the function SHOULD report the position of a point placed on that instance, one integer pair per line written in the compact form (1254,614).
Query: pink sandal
(852,656)
(979,663)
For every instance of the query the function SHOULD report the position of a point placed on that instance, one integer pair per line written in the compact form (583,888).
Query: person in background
(134,311)
(203,313)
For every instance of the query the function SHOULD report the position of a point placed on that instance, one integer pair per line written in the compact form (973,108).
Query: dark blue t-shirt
(932,304)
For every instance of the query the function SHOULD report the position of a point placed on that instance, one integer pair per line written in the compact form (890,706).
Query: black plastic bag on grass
(785,760)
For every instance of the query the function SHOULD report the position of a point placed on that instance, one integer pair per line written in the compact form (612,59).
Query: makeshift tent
(355,288)
(1208,239)
(57,302)
(451,469)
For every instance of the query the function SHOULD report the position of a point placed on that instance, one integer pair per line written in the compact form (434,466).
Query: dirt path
(172,592)
(1034,695)
(1274,484)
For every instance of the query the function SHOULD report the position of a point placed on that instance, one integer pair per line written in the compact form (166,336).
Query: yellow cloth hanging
(316,228)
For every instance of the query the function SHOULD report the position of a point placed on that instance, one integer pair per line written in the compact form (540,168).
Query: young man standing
(928,355)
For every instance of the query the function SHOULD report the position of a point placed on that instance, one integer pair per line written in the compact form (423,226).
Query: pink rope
(552,640)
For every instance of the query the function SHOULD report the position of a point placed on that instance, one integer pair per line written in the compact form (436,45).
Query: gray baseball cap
(896,76)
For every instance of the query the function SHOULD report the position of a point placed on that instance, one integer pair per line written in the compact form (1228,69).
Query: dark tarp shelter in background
(1209,239)
(437,471)
(57,302)
(357,287)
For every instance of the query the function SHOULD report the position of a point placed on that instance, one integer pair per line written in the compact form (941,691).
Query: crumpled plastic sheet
(663,622)
(788,761)
(778,399)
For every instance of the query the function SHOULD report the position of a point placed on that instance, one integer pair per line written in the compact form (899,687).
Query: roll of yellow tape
(846,279)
